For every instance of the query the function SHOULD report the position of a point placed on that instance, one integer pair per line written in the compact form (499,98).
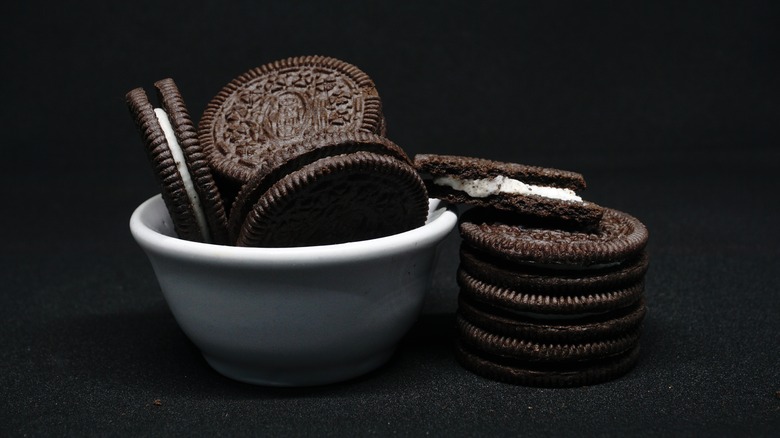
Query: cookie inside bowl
(294,316)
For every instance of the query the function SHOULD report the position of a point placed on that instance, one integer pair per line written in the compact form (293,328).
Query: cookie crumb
(777,394)
(157,402)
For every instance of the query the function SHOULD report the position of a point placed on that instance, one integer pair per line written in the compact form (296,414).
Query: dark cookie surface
(555,212)
(533,351)
(552,375)
(571,303)
(281,103)
(197,162)
(177,200)
(544,280)
(338,199)
(617,237)
(478,168)
(562,329)
(564,214)
(293,157)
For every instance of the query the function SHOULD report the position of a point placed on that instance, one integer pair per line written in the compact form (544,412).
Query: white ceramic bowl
(293,316)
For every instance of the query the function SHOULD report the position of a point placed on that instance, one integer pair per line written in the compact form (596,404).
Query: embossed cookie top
(284,102)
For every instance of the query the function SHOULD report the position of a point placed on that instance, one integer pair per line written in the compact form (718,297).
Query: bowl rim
(442,218)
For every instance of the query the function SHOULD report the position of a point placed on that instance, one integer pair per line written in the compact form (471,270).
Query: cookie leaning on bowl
(551,286)
(179,164)
(545,193)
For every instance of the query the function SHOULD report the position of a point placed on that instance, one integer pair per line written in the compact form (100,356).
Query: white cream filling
(480,188)
(181,167)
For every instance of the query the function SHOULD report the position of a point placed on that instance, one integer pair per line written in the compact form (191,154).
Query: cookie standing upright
(179,163)
(281,103)
(333,187)
(338,199)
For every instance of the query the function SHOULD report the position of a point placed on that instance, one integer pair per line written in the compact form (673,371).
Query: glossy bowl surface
(293,316)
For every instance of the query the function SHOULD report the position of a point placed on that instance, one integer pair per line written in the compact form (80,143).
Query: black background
(669,109)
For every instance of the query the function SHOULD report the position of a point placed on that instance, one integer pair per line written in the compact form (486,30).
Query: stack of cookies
(295,153)
(551,286)
(291,153)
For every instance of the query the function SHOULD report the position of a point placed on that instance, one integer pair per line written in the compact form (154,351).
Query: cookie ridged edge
(526,277)
(197,162)
(163,166)
(554,304)
(562,252)
(373,117)
(580,329)
(518,374)
(531,350)
(296,156)
(252,230)
(479,168)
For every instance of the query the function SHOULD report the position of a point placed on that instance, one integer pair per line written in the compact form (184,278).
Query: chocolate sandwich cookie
(561,328)
(281,103)
(548,194)
(547,349)
(574,303)
(617,237)
(179,163)
(335,199)
(532,278)
(539,305)
(546,374)
(295,156)
(530,350)
(510,265)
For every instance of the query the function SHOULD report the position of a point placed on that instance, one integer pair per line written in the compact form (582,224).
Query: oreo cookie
(295,156)
(570,328)
(543,193)
(543,303)
(533,278)
(282,103)
(335,199)
(550,375)
(617,237)
(539,305)
(295,147)
(179,163)
(539,352)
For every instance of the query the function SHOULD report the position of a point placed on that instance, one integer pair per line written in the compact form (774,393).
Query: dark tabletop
(669,109)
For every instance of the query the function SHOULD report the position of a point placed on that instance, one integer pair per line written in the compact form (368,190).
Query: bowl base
(256,374)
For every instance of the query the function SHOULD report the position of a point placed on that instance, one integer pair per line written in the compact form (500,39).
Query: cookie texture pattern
(337,199)
(541,305)
(281,103)
(183,209)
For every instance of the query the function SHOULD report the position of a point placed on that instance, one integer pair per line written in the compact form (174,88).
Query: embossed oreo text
(284,106)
